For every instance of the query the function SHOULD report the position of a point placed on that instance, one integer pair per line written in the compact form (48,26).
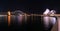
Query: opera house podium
(56,27)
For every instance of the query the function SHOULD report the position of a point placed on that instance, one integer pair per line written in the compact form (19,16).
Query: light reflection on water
(34,23)
(31,24)
(3,23)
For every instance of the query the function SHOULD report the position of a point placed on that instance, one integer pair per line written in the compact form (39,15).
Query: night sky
(29,6)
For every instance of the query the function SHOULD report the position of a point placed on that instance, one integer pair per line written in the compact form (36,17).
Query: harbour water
(33,23)
(3,23)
